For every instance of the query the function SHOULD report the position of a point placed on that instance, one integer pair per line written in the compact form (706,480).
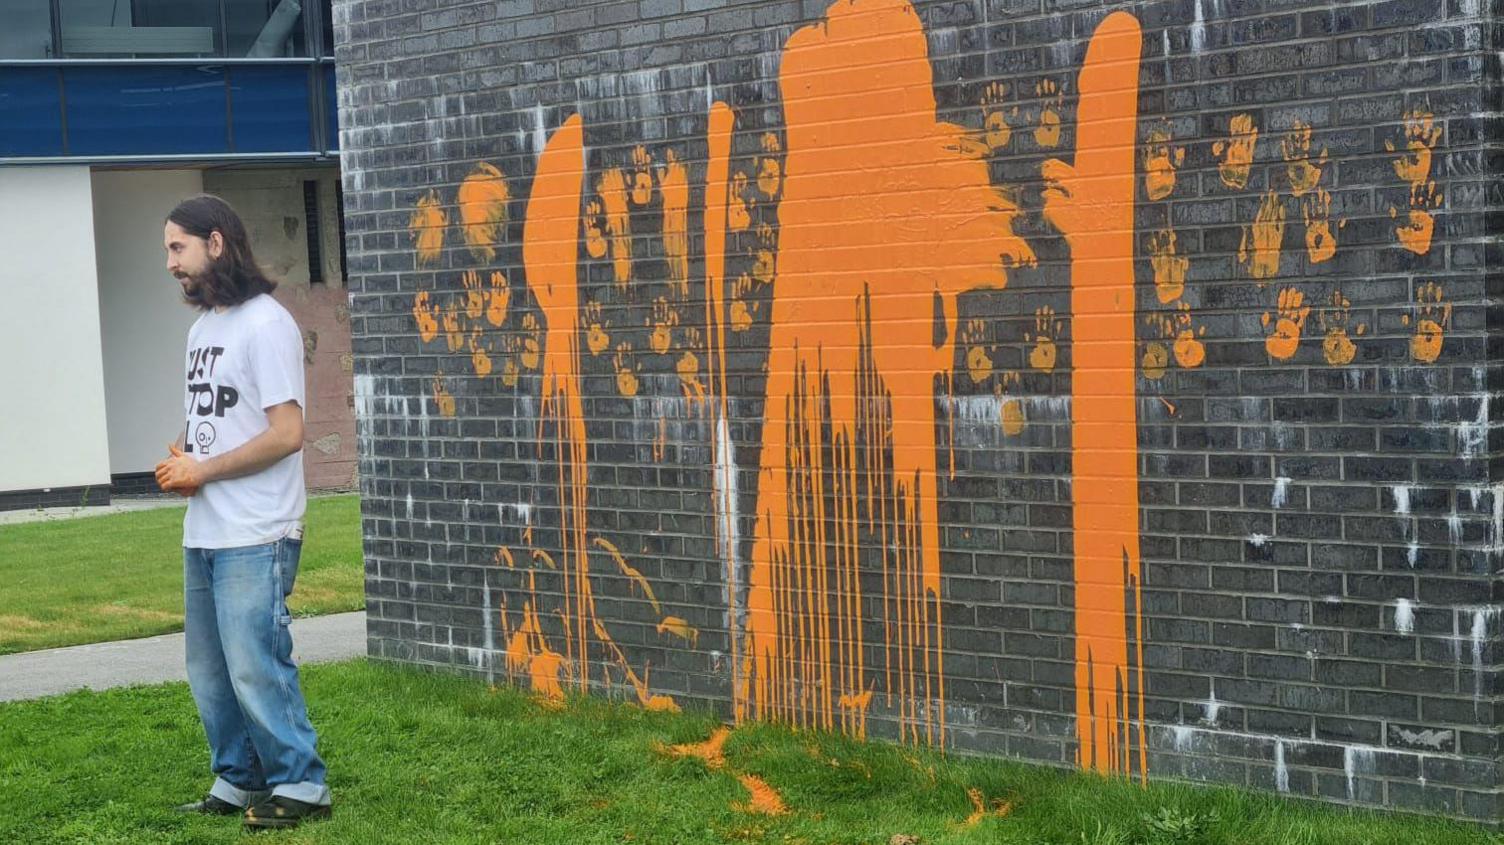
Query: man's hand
(179,474)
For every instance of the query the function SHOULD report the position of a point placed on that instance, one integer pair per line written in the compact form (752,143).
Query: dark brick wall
(1319,511)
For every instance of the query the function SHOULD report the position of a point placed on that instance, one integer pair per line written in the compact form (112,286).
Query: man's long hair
(234,276)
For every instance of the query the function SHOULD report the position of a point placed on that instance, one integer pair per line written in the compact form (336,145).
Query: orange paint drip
(674,187)
(849,444)
(1091,202)
(483,198)
(528,653)
(550,252)
(627,570)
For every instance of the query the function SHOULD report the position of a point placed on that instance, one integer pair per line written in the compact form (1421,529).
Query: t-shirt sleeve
(276,359)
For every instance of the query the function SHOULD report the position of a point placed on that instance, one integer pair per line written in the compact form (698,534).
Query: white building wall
(52,423)
(143,319)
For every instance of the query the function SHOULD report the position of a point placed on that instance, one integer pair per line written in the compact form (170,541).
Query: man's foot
(279,811)
(211,805)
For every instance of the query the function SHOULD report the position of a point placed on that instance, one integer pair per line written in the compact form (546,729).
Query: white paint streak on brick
(1281,492)
(1404,616)
(1356,760)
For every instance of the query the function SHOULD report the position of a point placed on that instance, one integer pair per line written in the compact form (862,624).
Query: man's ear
(216,244)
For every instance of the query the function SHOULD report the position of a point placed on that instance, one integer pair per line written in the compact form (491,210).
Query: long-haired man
(239,459)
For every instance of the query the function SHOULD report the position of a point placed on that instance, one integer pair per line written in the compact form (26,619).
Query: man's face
(189,256)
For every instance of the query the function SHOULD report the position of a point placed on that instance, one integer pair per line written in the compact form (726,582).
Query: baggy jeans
(240,669)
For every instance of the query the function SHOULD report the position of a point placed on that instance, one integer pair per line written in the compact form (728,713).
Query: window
(311,226)
(142,28)
(147,29)
(264,28)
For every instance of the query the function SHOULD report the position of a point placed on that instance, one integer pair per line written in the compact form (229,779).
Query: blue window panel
(331,105)
(271,109)
(162,110)
(31,112)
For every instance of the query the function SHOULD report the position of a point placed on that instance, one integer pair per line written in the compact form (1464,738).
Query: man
(240,462)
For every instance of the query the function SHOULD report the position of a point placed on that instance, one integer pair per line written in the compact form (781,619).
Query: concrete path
(154,660)
(118,504)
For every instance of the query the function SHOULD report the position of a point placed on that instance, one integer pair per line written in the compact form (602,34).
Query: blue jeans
(240,668)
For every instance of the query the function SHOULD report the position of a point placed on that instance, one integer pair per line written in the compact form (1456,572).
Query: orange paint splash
(483,198)
(1260,247)
(596,338)
(454,337)
(738,215)
(528,653)
(978,359)
(426,316)
(1047,133)
(1190,352)
(1156,357)
(679,628)
(1433,317)
(499,299)
(1321,236)
(631,573)
(769,170)
(712,750)
(979,809)
(1012,417)
(997,128)
(1161,158)
(674,186)
(1092,203)
(426,226)
(1422,134)
(612,187)
(1417,227)
(642,176)
(1336,347)
(848,449)
(1288,320)
(1169,267)
(762,799)
(595,229)
(1236,153)
(475,298)
(743,310)
(665,318)
(1304,173)
(626,366)
(443,400)
(480,357)
(1046,329)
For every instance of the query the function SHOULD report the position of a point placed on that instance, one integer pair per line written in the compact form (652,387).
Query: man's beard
(196,289)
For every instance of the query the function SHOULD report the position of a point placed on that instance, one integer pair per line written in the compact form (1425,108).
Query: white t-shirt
(240,362)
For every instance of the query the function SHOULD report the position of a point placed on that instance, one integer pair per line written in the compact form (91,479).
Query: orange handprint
(1289,319)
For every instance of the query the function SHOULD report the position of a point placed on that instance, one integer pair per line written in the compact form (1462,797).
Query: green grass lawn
(120,576)
(416,757)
